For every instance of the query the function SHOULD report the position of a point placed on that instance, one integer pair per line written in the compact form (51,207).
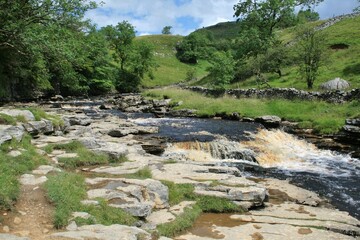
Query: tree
(311,49)
(268,14)
(222,69)
(166,30)
(357,9)
(308,16)
(120,37)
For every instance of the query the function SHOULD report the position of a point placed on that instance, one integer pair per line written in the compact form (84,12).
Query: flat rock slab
(16,113)
(29,179)
(260,231)
(294,193)
(45,169)
(160,217)
(11,237)
(101,232)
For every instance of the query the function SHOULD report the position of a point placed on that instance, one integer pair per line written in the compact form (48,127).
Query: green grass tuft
(181,223)
(13,167)
(217,205)
(41,114)
(179,192)
(65,190)
(143,173)
(7,120)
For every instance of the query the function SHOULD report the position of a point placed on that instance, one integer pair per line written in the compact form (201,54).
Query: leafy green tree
(120,37)
(194,47)
(357,9)
(222,69)
(311,48)
(166,30)
(308,16)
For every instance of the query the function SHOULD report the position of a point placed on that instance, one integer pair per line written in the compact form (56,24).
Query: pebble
(45,230)
(17,220)
(22,213)
(6,229)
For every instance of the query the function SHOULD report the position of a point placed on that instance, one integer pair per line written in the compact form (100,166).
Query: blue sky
(150,16)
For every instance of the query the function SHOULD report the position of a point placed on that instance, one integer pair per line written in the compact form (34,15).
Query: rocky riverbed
(275,209)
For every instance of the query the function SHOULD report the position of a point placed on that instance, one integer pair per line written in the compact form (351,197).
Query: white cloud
(150,16)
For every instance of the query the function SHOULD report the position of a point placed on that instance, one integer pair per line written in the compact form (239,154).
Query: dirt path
(32,216)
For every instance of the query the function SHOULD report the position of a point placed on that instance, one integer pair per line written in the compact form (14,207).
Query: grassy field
(323,117)
(170,70)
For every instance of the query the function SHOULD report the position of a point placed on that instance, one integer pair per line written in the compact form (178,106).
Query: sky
(185,16)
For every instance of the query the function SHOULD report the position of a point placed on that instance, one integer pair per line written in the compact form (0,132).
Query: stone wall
(336,96)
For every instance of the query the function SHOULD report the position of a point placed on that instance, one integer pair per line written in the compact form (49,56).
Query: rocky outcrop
(137,197)
(9,132)
(337,96)
(269,121)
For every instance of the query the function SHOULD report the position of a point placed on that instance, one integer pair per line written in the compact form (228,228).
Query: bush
(100,87)
(127,82)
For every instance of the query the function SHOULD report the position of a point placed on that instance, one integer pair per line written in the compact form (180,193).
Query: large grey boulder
(335,84)
(36,127)
(101,232)
(9,132)
(16,113)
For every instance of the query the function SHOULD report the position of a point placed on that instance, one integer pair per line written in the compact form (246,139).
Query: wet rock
(16,113)
(183,113)
(353,122)
(100,232)
(269,121)
(124,131)
(155,149)
(352,129)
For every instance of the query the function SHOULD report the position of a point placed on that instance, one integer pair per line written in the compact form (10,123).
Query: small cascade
(217,149)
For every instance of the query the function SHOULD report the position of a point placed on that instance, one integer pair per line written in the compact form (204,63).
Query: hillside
(170,70)
(341,61)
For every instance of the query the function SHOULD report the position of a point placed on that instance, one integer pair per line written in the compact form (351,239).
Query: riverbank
(99,167)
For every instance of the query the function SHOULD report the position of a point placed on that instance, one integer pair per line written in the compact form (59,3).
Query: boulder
(335,84)
(36,127)
(15,113)
(269,121)
(9,132)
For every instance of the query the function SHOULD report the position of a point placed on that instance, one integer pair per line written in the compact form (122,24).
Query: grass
(325,118)
(84,157)
(41,114)
(7,120)
(170,70)
(13,167)
(181,223)
(66,190)
(143,173)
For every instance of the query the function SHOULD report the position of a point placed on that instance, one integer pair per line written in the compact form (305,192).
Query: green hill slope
(170,70)
(340,62)
(343,57)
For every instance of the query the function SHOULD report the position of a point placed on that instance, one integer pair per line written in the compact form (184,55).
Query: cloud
(150,16)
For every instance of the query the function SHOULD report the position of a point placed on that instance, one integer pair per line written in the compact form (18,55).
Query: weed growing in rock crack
(41,114)
(106,215)
(13,167)
(143,173)
(84,157)
(181,223)
(7,120)
(170,161)
(179,192)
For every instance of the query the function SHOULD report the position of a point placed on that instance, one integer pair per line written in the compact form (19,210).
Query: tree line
(47,48)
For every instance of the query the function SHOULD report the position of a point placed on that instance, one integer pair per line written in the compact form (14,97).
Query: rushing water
(330,174)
